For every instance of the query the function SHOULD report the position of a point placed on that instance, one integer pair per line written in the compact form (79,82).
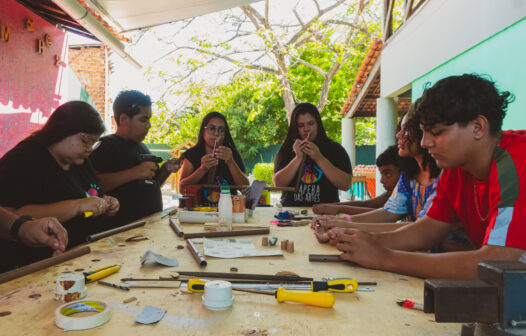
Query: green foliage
(264,172)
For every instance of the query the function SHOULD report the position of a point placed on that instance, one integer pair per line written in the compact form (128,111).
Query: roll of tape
(70,287)
(65,320)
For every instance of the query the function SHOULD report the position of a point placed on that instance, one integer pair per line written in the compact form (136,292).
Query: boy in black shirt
(122,161)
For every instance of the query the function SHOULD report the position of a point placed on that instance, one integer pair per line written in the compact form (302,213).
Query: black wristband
(13,231)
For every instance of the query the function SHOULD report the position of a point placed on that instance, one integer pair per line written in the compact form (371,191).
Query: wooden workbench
(361,313)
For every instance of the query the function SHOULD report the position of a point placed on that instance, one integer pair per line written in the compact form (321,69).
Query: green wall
(503,58)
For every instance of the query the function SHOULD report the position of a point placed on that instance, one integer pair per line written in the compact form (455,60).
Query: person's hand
(312,150)
(321,235)
(322,220)
(94,204)
(145,170)
(360,247)
(44,232)
(208,161)
(224,153)
(113,205)
(333,235)
(298,148)
(173,165)
(325,209)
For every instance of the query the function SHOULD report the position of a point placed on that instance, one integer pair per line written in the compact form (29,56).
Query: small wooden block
(290,247)
(284,244)
(264,241)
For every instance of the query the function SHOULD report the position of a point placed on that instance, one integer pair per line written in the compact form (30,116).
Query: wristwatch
(13,231)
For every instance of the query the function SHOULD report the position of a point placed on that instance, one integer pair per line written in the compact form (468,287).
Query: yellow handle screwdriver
(100,273)
(337,285)
(324,300)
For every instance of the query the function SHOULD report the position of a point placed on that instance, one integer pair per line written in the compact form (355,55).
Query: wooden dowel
(201,261)
(100,235)
(290,278)
(300,172)
(37,266)
(209,234)
(177,229)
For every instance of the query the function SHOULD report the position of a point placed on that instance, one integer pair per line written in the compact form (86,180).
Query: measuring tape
(65,320)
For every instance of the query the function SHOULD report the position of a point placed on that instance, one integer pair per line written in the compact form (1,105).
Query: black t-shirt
(137,198)
(30,175)
(314,186)
(222,174)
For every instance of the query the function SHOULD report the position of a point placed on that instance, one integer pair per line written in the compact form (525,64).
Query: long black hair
(286,150)
(413,134)
(227,140)
(69,119)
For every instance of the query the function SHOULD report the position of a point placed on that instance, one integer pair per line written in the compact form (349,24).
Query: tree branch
(312,66)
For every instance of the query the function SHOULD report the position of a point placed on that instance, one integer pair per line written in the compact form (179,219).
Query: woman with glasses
(324,164)
(214,159)
(48,175)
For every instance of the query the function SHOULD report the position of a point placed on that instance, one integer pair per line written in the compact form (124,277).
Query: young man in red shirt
(483,186)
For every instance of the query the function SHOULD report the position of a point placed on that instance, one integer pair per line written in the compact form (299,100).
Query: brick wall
(88,64)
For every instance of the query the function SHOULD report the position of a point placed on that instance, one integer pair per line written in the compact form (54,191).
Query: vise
(494,304)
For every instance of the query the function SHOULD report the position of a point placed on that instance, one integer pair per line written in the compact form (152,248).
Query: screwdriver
(337,285)
(324,300)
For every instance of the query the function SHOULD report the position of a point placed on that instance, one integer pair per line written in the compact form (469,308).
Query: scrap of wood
(133,298)
(138,237)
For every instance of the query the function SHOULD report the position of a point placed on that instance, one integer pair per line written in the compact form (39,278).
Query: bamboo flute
(210,234)
(39,265)
(201,261)
(177,229)
(100,235)
(248,276)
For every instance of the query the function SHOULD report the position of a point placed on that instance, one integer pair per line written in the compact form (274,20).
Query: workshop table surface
(360,313)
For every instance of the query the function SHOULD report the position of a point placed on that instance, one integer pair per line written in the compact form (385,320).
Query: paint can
(70,287)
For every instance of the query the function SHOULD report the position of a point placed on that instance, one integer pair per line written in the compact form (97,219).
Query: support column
(386,120)
(348,142)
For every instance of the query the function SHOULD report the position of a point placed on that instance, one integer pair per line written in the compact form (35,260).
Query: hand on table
(359,247)
(44,232)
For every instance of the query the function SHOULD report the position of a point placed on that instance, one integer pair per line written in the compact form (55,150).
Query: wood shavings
(35,296)
(133,298)
(5,313)
(121,245)
(79,270)
(255,332)
(233,269)
(172,275)
(8,295)
(95,260)
(180,247)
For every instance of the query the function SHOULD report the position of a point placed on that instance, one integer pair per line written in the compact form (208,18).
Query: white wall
(441,30)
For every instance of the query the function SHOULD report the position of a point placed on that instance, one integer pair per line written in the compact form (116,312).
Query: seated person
(121,160)
(214,159)
(410,199)
(482,187)
(388,164)
(325,165)
(48,175)
(33,232)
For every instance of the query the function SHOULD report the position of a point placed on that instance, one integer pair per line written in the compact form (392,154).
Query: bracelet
(13,231)
(347,218)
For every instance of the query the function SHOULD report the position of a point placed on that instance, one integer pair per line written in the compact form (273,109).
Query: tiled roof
(367,105)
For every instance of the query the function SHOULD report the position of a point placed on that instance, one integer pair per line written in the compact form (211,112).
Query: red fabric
(455,199)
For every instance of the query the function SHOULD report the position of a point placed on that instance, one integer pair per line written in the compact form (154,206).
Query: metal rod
(254,291)
(177,229)
(100,235)
(290,278)
(325,257)
(230,280)
(201,261)
(226,233)
(37,266)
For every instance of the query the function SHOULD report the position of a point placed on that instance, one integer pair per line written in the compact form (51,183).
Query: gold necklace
(477,203)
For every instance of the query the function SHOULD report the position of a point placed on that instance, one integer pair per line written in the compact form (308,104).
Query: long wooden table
(360,313)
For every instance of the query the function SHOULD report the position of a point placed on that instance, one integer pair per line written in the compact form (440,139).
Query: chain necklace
(483,219)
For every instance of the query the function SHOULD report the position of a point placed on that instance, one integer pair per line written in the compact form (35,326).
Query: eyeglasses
(89,143)
(213,129)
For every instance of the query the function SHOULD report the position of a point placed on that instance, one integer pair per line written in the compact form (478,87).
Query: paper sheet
(235,248)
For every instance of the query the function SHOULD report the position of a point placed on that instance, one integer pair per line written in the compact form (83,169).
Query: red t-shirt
(500,218)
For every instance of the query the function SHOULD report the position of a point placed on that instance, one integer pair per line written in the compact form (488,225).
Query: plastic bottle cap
(225,190)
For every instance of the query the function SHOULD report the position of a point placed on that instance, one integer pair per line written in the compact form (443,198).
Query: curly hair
(460,99)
